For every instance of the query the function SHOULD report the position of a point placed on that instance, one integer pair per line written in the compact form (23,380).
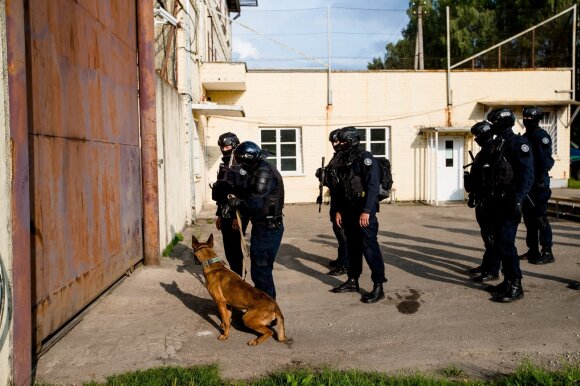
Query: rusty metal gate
(85,176)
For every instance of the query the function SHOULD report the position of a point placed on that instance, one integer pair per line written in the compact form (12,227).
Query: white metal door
(450,169)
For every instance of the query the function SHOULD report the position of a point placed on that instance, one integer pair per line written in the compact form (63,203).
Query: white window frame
(367,143)
(278,157)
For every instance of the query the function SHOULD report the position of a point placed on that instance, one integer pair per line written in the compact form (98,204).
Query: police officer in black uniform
(263,199)
(480,198)
(228,179)
(356,204)
(511,172)
(536,208)
(340,265)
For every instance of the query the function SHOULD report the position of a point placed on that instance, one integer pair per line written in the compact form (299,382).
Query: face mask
(530,124)
(483,139)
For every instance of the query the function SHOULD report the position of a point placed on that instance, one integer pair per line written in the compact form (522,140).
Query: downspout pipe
(147,118)
(20,191)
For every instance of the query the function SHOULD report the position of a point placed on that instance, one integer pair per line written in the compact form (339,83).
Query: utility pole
(419,54)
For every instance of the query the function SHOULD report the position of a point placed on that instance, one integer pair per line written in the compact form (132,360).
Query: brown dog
(226,287)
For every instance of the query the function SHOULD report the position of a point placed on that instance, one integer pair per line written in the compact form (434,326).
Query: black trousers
(536,220)
(232,244)
(362,241)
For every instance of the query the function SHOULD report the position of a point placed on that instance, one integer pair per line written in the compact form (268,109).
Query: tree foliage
(476,25)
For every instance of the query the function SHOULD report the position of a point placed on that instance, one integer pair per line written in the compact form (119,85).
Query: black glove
(318,173)
(471,201)
(517,211)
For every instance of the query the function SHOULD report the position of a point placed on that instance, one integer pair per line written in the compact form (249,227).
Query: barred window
(548,123)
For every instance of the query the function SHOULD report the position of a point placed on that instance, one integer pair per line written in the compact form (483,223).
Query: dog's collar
(210,261)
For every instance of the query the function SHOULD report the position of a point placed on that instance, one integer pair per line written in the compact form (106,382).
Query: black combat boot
(485,276)
(351,285)
(476,270)
(375,295)
(514,292)
(338,270)
(530,255)
(499,288)
(546,257)
(334,263)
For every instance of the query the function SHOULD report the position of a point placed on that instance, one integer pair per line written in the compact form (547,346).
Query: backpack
(386,179)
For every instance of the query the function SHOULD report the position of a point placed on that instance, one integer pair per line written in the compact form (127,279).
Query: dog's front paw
(222,337)
(253,342)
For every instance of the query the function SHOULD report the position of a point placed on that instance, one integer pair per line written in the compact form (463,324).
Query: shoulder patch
(243,172)
(525,148)
(368,161)
(545,140)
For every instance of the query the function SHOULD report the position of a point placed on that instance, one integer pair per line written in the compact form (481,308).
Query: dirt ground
(433,316)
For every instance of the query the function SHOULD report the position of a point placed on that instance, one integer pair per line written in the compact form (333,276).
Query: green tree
(479,24)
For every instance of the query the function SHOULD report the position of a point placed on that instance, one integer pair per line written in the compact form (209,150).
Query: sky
(294,33)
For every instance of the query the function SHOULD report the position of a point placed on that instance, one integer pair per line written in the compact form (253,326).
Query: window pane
(268,136)
(378,148)
(288,150)
(270,147)
(377,134)
(288,164)
(272,161)
(288,135)
(449,154)
(363,134)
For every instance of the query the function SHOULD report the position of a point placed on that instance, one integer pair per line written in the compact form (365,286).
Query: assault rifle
(320,186)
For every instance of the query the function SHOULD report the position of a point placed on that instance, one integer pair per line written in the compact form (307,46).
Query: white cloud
(245,49)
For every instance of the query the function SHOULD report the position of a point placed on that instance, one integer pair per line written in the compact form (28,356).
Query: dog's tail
(280,325)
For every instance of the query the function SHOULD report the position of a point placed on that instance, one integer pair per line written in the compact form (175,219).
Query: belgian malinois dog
(227,288)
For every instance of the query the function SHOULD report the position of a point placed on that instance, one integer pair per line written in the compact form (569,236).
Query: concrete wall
(5,213)
(406,101)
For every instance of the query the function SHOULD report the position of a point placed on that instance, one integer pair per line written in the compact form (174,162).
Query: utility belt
(272,222)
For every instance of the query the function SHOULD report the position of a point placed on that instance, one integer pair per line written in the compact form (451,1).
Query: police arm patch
(525,148)
(368,161)
(545,140)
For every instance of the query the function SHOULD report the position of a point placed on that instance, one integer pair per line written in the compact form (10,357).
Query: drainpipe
(151,247)
(20,191)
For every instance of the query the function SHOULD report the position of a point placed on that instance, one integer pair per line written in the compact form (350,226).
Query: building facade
(402,115)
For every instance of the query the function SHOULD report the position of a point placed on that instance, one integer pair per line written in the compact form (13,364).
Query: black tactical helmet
(533,113)
(228,139)
(349,135)
(480,128)
(333,136)
(501,120)
(482,132)
(248,154)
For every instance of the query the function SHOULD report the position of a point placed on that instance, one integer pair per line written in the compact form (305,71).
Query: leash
(246,255)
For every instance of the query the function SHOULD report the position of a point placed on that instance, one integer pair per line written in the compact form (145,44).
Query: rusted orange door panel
(85,166)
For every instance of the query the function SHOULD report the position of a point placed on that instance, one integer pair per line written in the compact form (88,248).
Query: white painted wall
(404,100)
(173,168)
(5,210)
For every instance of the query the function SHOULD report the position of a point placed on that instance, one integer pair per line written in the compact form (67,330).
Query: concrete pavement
(433,315)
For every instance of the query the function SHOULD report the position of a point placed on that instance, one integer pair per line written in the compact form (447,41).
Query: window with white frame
(376,140)
(285,145)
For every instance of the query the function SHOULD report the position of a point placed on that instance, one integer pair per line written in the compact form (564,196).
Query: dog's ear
(194,241)
(210,240)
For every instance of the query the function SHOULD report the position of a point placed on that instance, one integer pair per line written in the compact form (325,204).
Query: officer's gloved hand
(227,211)
(517,211)
(318,173)
(471,201)
(234,202)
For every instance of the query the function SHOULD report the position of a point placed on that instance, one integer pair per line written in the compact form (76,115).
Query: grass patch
(573,184)
(176,239)
(451,371)
(526,374)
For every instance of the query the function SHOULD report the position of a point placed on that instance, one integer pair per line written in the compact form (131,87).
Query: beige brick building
(402,115)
